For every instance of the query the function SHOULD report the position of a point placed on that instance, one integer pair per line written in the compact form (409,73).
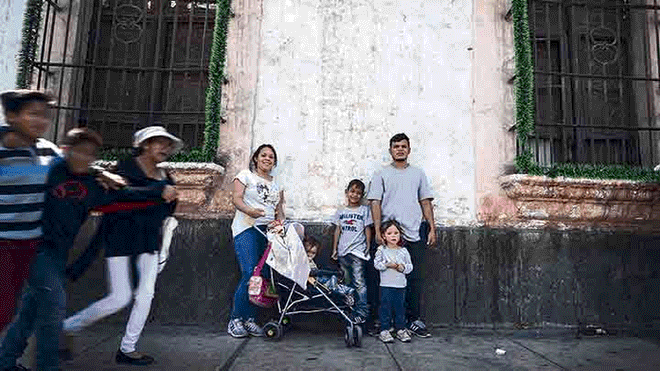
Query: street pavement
(320,346)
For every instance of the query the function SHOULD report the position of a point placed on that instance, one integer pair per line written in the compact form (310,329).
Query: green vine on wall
(524,84)
(29,46)
(216,78)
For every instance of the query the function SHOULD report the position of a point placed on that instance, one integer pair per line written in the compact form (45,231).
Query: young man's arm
(427,211)
(376,213)
(375,196)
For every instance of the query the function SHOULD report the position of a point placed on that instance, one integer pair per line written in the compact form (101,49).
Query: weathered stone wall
(493,104)
(335,80)
(11,18)
(475,276)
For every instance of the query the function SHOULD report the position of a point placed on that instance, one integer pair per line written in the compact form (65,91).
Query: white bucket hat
(155,131)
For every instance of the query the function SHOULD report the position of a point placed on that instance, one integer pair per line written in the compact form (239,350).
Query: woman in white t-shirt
(258,200)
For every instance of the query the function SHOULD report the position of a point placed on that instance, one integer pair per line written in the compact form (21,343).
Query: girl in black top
(129,232)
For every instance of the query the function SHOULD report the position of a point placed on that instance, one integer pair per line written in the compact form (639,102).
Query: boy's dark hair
(399,137)
(15,100)
(253,159)
(356,182)
(79,135)
(389,223)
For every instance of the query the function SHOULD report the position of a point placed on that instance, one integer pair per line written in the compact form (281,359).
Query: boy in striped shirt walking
(25,159)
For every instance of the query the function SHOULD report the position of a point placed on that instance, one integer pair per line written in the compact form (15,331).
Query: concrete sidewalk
(305,347)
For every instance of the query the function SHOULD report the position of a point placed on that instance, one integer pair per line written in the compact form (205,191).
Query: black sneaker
(419,329)
(374,330)
(133,358)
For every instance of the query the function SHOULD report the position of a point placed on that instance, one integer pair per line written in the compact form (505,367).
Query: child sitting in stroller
(328,278)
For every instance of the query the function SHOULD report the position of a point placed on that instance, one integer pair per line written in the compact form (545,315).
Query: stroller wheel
(348,335)
(357,336)
(273,331)
(286,322)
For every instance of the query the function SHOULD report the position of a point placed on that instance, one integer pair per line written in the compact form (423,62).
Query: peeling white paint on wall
(11,18)
(338,78)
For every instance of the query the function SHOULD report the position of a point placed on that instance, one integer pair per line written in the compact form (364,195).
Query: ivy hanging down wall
(524,85)
(29,46)
(216,79)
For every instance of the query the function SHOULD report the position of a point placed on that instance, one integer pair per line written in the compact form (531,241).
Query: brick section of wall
(542,202)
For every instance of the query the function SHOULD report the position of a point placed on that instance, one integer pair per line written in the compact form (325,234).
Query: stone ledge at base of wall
(566,203)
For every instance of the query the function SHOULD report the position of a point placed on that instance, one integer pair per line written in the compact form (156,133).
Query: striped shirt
(23,175)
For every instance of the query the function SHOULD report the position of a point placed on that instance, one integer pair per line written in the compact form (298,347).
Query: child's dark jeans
(42,311)
(354,269)
(392,301)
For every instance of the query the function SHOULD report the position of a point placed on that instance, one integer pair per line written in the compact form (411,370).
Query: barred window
(596,81)
(120,65)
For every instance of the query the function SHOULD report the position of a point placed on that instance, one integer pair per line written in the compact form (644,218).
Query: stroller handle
(300,229)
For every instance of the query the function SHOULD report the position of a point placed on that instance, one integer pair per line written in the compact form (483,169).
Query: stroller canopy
(287,254)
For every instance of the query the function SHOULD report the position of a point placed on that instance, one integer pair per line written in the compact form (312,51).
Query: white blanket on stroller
(287,255)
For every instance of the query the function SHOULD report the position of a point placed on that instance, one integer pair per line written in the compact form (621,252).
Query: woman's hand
(275,223)
(169,193)
(256,213)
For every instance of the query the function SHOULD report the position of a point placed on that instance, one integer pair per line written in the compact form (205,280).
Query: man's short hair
(80,135)
(399,137)
(14,100)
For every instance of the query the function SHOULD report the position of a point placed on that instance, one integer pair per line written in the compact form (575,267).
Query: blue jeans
(353,268)
(392,299)
(42,310)
(249,245)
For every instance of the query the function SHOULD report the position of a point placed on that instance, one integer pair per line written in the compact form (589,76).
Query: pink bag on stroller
(261,291)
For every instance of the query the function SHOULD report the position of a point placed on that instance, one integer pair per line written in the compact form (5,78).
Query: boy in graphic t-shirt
(351,243)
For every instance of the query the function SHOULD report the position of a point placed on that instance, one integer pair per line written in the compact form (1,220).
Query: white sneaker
(403,335)
(236,329)
(252,328)
(386,337)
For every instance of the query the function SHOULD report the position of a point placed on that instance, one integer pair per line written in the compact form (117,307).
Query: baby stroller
(298,294)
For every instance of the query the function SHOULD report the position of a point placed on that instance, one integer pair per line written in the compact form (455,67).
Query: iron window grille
(119,65)
(596,69)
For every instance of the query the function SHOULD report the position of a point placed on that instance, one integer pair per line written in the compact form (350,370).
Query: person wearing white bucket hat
(153,145)
(154,132)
